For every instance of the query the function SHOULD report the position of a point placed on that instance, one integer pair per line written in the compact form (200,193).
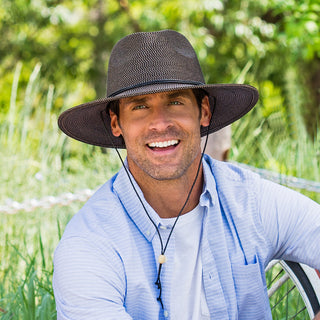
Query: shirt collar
(132,205)
(209,194)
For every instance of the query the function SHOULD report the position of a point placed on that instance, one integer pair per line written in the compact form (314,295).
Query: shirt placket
(212,285)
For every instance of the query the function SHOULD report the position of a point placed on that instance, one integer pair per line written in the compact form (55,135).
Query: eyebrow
(136,100)
(177,94)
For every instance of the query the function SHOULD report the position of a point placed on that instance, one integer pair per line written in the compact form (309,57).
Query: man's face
(162,133)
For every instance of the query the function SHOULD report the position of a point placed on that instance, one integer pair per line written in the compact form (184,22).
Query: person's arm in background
(219,144)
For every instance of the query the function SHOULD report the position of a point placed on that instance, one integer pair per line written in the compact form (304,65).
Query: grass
(37,161)
(286,302)
(278,143)
(26,262)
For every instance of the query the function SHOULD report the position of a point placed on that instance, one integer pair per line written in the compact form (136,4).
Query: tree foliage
(273,44)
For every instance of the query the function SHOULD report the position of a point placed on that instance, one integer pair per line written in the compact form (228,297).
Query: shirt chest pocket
(252,300)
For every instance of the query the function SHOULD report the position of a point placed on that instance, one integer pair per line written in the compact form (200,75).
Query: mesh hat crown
(150,62)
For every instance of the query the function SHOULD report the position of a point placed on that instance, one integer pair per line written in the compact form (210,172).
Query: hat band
(164,81)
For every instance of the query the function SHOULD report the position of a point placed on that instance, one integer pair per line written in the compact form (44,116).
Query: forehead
(187,94)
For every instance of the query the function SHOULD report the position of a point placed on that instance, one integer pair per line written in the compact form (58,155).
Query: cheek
(192,123)
(130,133)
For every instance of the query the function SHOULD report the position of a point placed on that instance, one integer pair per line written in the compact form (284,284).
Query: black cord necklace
(162,258)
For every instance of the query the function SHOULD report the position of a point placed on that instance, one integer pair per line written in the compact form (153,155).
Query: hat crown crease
(168,55)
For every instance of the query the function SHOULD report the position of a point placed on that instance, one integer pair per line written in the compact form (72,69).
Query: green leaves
(72,39)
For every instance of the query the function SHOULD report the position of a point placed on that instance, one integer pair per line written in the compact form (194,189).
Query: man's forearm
(317,317)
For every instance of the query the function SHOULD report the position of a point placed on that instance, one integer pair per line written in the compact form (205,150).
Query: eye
(139,107)
(175,102)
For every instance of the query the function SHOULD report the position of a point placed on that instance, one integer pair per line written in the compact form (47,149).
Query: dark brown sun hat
(150,62)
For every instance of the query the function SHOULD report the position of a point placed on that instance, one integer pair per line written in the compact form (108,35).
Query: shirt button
(163,227)
(148,233)
(166,314)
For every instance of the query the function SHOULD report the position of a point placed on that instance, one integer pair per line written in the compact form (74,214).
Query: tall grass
(35,156)
(37,161)
(278,141)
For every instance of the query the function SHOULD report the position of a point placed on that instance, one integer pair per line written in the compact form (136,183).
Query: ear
(205,112)
(115,126)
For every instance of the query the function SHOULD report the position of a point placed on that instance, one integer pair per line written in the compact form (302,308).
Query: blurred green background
(54,55)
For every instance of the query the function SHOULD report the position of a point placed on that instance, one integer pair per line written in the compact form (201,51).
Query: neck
(167,197)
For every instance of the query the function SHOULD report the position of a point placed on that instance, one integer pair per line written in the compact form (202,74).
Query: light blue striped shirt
(105,265)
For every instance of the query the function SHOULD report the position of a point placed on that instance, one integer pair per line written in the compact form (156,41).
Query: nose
(160,118)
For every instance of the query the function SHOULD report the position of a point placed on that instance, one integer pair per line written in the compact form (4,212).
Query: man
(173,234)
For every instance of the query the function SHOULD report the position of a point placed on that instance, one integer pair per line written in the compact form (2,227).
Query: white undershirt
(187,292)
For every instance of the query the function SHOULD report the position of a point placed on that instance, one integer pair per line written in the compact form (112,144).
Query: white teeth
(163,144)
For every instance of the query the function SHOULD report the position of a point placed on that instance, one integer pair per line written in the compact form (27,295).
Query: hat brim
(229,102)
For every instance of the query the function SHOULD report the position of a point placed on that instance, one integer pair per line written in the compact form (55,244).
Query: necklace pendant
(162,259)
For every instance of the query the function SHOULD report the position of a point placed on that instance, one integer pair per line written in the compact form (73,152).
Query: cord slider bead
(162,259)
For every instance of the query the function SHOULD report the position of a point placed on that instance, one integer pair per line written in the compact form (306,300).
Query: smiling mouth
(163,144)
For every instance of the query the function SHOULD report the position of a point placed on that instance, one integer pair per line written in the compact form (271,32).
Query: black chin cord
(162,258)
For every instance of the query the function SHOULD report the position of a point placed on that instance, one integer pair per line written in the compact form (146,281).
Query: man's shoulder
(226,172)
(98,215)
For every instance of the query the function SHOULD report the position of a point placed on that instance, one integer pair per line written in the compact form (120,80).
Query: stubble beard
(167,170)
